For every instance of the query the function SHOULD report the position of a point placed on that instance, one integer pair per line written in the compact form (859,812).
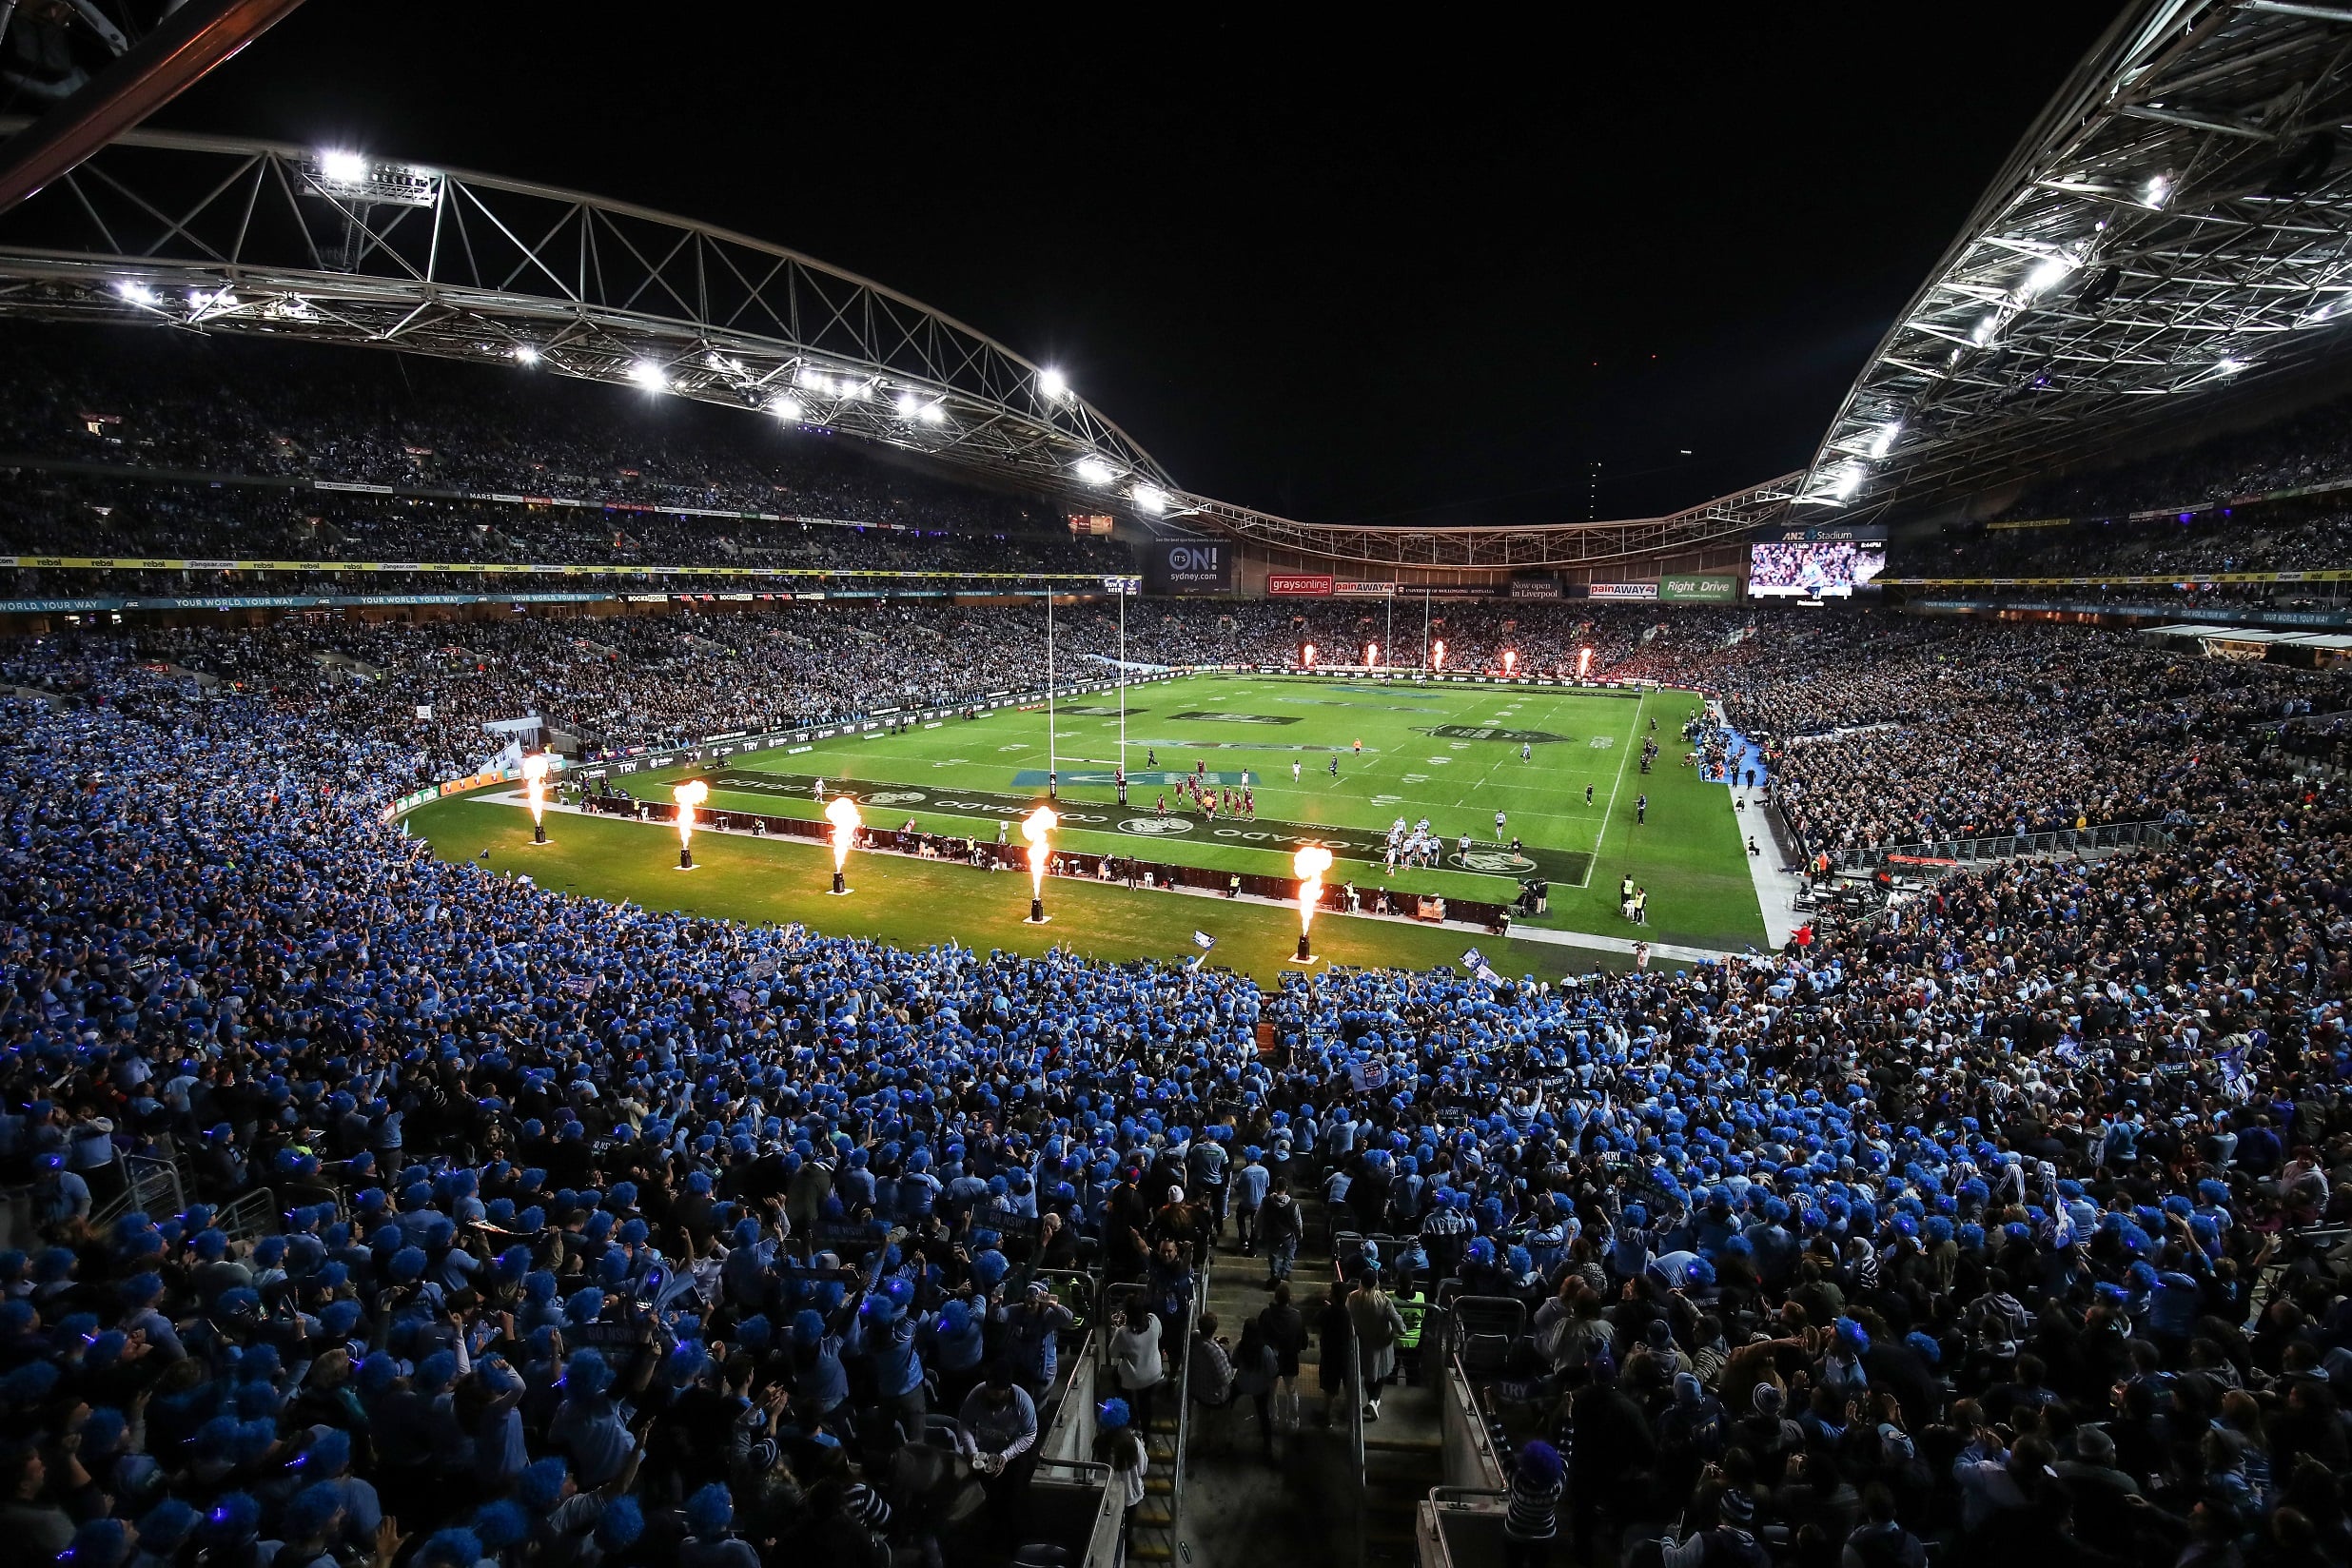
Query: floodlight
(1849,479)
(1885,439)
(2048,274)
(343,167)
(1149,498)
(1092,470)
(2228,367)
(813,380)
(855,391)
(786,407)
(1054,384)
(931,413)
(1985,329)
(908,405)
(2158,189)
(134,293)
(525,354)
(648,376)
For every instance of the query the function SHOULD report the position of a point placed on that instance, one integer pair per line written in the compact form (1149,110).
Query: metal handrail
(246,1217)
(1106,1542)
(146,1180)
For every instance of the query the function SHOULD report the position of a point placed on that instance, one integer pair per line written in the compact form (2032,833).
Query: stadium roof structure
(2174,229)
(214,234)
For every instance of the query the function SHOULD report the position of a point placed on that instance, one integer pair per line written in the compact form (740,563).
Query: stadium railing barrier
(149,1186)
(2114,835)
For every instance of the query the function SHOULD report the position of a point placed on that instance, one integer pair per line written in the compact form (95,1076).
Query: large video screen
(1814,568)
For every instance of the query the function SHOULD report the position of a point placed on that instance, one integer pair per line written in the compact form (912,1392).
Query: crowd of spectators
(50,515)
(1982,1224)
(1883,730)
(224,405)
(626,683)
(2203,521)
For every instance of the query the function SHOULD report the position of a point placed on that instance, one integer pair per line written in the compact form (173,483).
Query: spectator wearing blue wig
(588,1427)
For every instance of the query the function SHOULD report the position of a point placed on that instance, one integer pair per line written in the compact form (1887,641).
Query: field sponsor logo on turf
(1199,716)
(1494,862)
(896,797)
(1491,732)
(1155,827)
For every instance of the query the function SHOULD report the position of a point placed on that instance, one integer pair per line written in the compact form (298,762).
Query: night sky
(1411,274)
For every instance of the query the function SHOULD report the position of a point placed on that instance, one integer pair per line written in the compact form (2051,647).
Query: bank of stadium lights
(648,376)
(916,409)
(786,407)
(2048,274)
(525,354)
(1149,499)
(1092,470)
(1885,439)
(130,292)
(2156,192)
(354,176)
(1054,384)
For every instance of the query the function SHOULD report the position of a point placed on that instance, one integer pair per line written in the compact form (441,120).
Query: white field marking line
(1633,742)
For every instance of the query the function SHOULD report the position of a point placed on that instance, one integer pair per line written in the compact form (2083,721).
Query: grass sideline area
(913,903)
(1449,752)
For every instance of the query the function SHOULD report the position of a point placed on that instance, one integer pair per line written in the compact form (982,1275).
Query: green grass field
(1450,752)
(913,903)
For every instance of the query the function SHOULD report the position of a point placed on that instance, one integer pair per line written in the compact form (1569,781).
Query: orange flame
(842,813)
(1437,655)
(1034,827)
(535,783)
(1584,661)
(688,795)
(1310,863)
(1310,655)
(1371,655)
(1509,659)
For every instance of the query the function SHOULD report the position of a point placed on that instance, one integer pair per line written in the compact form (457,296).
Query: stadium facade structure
(222,235)
(2174,230)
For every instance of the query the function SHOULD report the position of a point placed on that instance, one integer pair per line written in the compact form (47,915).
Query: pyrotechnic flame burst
(1309,863)
(842,813)
(535,783)
(688,795)
(1034,827)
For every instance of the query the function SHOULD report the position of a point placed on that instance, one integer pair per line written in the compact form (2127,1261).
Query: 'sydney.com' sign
(1188,566)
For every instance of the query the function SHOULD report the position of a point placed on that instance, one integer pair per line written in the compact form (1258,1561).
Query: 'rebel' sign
(1188,566)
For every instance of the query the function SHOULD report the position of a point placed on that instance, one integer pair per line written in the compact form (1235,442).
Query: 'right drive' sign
(1698,589)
